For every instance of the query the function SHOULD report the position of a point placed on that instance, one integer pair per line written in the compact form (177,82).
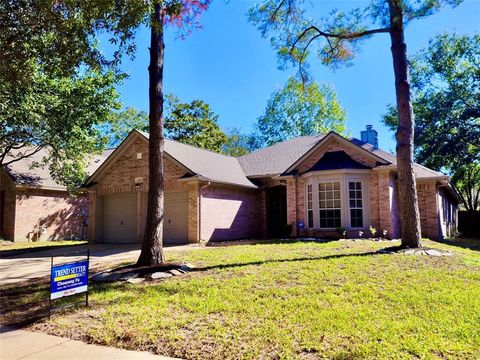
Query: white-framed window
(356,203)
(337,199)
(329,204)
(309,206)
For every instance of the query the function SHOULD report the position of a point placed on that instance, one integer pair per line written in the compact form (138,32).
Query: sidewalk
(20,344)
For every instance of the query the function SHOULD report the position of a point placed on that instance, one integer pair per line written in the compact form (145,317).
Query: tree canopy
(60,115)
(122,123)
(300,109)
(193,123)
(446,99)
(239,143)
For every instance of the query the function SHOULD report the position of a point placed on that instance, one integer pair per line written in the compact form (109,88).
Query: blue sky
(228,65)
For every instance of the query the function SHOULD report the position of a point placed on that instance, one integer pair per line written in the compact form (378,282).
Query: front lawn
(336,300)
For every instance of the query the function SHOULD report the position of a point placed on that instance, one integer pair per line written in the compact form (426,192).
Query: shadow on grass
(465,243)
(268,241)
(273,261)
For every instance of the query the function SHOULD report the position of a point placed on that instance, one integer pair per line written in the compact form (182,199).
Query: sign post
(69,278)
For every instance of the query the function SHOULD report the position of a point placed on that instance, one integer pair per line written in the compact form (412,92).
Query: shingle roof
(273,160)
(22,172)
(420,170)
(276,159)
(279,157)
(209,165)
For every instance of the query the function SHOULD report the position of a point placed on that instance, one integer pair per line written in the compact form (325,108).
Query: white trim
(336,172)
(344,177)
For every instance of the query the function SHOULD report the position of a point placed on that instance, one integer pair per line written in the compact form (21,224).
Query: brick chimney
(370,136)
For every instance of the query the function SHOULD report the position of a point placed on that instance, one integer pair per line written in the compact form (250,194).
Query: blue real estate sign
(68,279)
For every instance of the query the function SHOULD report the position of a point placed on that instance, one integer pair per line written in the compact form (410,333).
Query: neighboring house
(310,185)
(34,207)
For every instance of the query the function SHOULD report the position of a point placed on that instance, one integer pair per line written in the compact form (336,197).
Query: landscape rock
(175,272)
(434,252)
(112,277)
(160,275)
(136,281)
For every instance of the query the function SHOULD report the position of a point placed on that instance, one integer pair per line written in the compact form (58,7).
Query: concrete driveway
(35,265)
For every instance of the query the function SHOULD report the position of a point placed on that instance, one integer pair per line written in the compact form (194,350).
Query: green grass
(336,300)
(6,245)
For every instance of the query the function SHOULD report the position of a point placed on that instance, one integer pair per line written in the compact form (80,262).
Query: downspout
(200,209)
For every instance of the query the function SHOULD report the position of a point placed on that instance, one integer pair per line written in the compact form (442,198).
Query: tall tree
(446,99)
(71,31)
(239,143)
(300,109)
(180,13)
(122,123)
(336,39)
(193,123)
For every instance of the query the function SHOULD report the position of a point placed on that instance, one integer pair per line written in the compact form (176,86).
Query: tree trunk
(152,246)
(407,190)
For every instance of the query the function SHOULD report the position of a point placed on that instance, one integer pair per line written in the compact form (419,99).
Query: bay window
(337,199)
(329,204)
(356,204)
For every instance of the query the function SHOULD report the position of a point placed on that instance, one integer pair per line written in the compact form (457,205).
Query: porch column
(92,216)
(292,204)
(193,213)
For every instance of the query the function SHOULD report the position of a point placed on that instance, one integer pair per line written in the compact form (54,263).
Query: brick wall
(230,213)
(292,205)
(296,187)
(428,207)
(120,176)
(193,215)
(382,192)
(62,216)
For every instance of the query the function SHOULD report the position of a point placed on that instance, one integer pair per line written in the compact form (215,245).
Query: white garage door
(175,224)
(119,218)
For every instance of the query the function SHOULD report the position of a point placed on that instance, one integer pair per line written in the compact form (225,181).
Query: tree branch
(274,14)
(341,36)
(22,156)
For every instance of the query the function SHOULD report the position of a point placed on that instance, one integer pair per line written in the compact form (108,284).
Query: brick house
(34,207)
(308,186)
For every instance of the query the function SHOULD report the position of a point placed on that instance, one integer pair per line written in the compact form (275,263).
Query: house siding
(429,209)
(55,212)
(382,195)
(120,177)
(229,213)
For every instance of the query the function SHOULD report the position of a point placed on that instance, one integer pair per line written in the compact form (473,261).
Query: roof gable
(205,164)
(334,160)
(345,144)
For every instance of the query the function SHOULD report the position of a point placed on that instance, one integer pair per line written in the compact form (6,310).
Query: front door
(276,211)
